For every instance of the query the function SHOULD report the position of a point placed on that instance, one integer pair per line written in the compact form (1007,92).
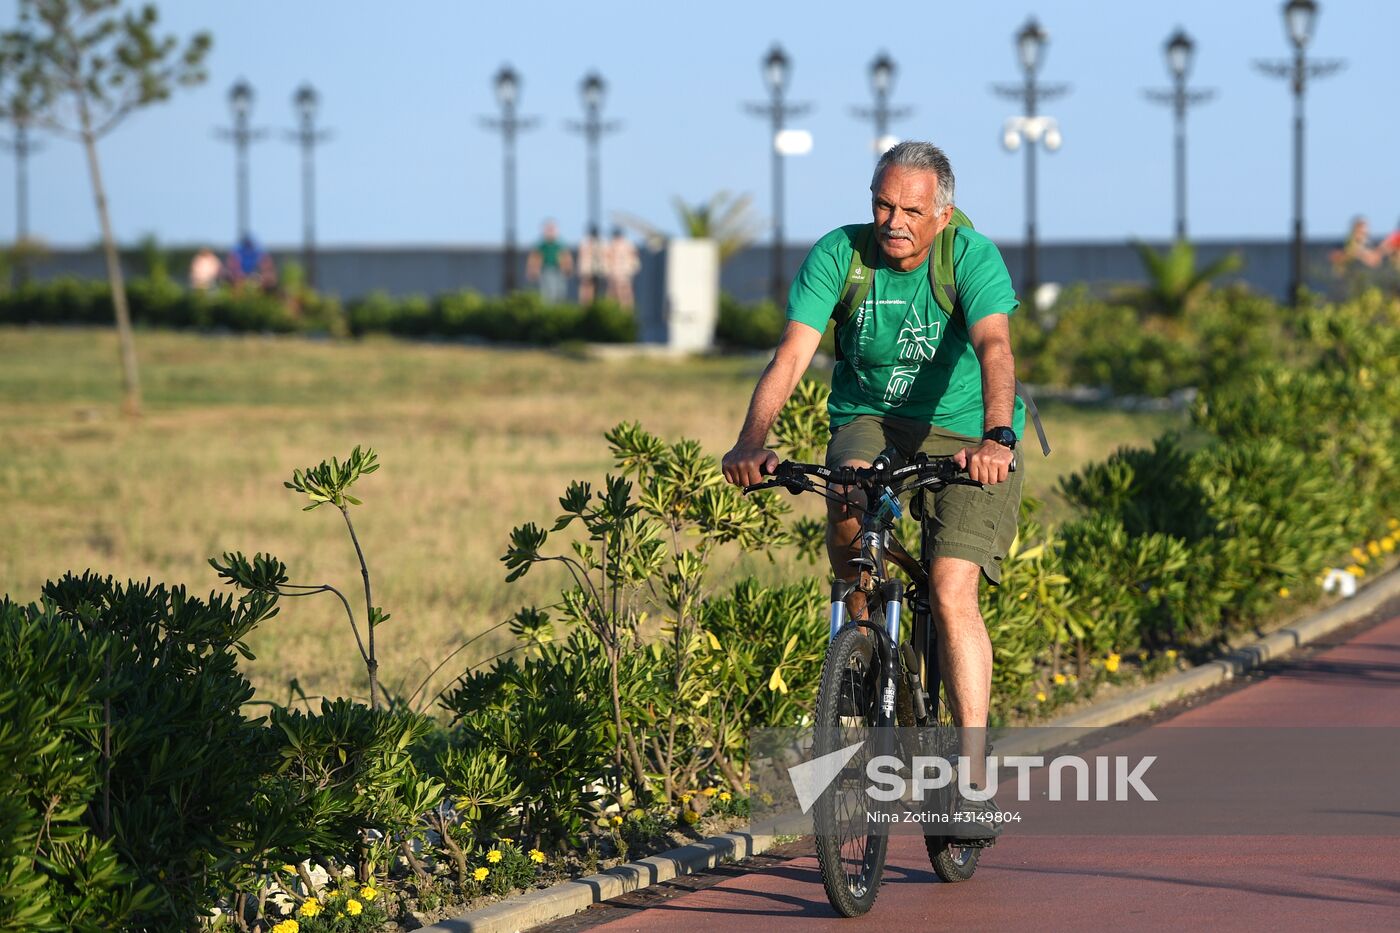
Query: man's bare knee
(955,586)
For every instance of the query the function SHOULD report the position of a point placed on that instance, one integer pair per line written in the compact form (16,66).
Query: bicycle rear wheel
(850,847)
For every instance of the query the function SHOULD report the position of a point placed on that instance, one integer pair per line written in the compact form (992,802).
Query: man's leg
(842,529)
(964,655)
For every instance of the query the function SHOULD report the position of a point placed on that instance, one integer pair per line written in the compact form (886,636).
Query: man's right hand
(746,465)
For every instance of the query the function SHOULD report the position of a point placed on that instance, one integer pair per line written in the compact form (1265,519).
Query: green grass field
(472,441)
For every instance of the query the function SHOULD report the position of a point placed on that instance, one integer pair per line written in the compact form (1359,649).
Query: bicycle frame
(878,544)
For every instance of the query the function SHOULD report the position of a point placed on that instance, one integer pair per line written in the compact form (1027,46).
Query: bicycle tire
(851,858)
(951,862)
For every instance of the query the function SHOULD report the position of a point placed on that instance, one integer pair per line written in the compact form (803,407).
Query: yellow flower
(310,907)
(1060,679)
(1356,571)
(1171,654)
(369,892)
(1388,543)
(1040,696)
(725,797)
(1393,522)
(287,926)
(1284,592)
(537,856)
(748,785)
(617,820)
(1360,555)
(710,791)
(690,816)
(481,873)
(685,798)
(1373,548)
(353,907)
(494,856)
(1110,664)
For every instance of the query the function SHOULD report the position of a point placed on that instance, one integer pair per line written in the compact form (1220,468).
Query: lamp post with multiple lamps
(1031,129)
(882,75)
(1180,51)
(240,102)
(777,69)
(592,90)
(1299,18)
(22,146)
(306,102)
(507,87)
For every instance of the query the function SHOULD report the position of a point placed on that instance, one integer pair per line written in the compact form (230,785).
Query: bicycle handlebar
(794,476)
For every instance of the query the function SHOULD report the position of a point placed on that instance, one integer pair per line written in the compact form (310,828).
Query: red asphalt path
(1137,883)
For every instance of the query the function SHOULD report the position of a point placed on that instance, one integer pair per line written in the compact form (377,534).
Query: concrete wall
(352,272)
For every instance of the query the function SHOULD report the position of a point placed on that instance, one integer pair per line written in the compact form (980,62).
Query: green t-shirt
(549,253)
(903,355)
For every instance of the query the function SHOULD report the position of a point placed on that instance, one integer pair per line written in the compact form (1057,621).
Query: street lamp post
(507,87)
(1031,129)
(882,75)
(1299,18)
(777,69)
(22,146)
(240,102)
(1180,50)
(306,102)
(592,90)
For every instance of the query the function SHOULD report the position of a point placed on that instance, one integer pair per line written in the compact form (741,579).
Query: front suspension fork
(892,598)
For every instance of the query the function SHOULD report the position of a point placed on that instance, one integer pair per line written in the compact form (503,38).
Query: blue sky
(403,85)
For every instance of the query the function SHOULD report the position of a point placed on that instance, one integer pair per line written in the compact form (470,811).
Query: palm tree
(725,218)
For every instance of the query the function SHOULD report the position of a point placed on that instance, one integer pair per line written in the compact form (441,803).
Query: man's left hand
(988,464)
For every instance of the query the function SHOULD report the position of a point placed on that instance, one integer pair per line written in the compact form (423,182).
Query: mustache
(893,234)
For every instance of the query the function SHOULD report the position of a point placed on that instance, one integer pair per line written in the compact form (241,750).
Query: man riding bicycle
(913,377)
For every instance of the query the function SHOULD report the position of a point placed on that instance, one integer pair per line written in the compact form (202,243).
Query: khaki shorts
(970,523)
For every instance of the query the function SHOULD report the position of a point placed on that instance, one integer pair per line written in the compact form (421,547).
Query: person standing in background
(205,270)
(592,266)
(550,263)
(622,264)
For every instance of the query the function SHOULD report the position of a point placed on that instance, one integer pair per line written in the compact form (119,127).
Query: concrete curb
(570,897)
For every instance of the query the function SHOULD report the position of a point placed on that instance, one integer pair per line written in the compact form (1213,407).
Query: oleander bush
(131,703)
(1132,347)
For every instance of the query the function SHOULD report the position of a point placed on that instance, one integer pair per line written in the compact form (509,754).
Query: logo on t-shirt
(918,341)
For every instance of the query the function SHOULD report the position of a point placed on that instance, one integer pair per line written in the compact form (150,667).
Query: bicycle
(872,680)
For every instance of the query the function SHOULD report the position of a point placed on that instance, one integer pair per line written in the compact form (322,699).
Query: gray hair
(919,155)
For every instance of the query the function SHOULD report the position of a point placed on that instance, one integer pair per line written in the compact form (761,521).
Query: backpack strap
(859,277)
(940,268)
(1034,413)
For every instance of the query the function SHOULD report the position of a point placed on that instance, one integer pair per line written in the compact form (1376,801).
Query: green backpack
(861,276)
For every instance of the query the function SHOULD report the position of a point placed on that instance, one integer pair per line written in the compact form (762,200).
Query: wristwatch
(1002,435)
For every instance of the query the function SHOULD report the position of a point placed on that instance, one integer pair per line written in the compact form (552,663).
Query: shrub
(147,777)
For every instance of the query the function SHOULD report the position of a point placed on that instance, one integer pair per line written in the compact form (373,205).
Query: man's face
(905,220)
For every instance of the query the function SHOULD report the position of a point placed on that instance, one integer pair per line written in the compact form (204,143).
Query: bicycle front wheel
(850,847)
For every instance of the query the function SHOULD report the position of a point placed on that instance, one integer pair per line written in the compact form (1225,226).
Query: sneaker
(975,822)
